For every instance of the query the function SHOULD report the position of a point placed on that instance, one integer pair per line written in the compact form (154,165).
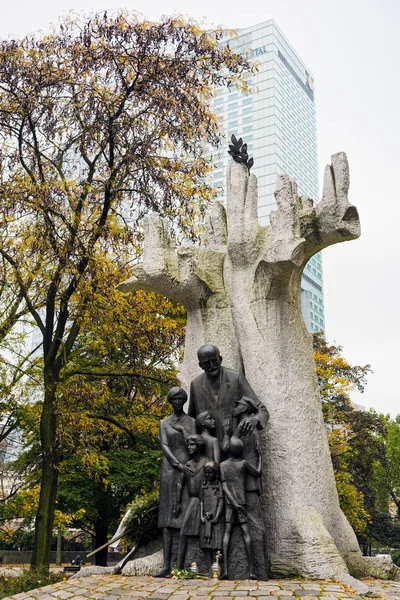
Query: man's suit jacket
(233,386)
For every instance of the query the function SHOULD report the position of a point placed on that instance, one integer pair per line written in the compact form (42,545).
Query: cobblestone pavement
(117,587)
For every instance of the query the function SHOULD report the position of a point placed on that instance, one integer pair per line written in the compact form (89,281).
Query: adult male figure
(217,390)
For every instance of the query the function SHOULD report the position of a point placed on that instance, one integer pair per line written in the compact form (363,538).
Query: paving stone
(311,586)
(108,587)
(227,586)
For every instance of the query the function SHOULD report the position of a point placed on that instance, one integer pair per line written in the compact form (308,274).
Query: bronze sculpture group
(211,471)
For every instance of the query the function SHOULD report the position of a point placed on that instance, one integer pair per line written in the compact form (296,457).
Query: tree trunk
(48,486)
(101,533)
(59,542)
(242,293)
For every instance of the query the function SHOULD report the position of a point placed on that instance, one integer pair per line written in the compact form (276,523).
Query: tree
(103,115)
(355,437)
(109,436)
(387,471)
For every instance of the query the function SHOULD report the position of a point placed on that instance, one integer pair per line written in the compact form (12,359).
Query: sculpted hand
(247,425)
(178,427)
(241,512)
(188,471)
(226,424)
(225,443)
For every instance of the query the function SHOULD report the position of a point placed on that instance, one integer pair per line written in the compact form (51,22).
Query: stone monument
(242,293)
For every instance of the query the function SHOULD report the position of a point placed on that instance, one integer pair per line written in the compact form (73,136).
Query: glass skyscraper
(277,120)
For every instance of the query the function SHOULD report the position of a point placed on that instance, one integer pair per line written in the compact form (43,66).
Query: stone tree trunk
(242,293)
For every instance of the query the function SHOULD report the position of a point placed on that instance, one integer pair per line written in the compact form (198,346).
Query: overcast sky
(352,48)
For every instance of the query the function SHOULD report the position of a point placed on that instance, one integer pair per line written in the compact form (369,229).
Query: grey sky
(352,48)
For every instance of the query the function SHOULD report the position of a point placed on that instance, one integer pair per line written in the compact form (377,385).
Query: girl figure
(211,507)
(191,518)
(206,424)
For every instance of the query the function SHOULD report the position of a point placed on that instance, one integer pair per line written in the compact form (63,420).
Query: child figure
(193,476)
(206,424)
(233,477)
(211,506)
(245,409)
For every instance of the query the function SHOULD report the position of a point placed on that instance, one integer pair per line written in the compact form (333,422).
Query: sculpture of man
(218,390)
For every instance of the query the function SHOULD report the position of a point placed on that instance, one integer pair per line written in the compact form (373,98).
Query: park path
(117,587)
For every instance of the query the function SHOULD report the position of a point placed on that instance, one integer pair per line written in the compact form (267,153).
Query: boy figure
(233,477)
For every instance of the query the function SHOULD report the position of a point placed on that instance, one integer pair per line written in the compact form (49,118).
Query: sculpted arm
(192,404)
(173,461)
(229,496)
(262,414)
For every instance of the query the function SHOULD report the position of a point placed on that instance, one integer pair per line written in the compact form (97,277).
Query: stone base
(238,563)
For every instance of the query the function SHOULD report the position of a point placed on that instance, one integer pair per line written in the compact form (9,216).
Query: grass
(28,580)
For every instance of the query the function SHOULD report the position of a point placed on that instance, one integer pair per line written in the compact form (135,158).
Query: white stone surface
(148,565)
(382,568)
(242,293)
(92,570)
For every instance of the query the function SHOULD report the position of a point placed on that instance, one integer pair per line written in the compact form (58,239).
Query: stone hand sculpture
(242,292)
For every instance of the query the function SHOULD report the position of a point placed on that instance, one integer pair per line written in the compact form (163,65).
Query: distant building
(277,120)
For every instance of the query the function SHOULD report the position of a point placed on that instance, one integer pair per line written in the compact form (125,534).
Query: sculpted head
(235,447)
(177,397)
(209,360)
(205,420)
(245,405)
(195,444)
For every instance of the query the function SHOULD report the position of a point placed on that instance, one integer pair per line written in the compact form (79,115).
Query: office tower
(277,120)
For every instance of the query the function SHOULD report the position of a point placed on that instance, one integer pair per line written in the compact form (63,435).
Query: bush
(395,554)
(28,580)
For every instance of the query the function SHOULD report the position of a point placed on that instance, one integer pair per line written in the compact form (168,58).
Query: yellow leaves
(352,502)
(63,521)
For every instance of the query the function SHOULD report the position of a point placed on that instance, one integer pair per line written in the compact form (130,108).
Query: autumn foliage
(102,121)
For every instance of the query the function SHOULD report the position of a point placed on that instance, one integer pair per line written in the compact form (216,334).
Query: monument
(241,290)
